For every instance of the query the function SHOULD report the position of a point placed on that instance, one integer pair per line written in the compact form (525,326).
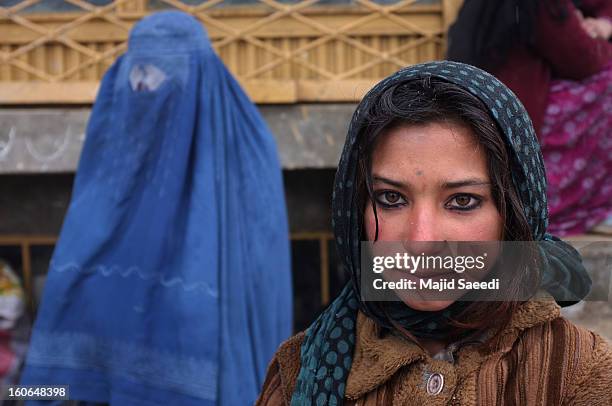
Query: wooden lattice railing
(281,53)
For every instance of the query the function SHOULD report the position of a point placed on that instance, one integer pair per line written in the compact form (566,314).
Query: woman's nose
(422,232)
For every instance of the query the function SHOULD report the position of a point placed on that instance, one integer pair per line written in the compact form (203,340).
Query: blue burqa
(170,283)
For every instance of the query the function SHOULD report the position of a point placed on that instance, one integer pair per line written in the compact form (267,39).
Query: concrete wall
(50,140)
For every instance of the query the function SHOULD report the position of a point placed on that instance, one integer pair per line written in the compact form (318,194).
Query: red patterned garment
(564,80)
(576,141)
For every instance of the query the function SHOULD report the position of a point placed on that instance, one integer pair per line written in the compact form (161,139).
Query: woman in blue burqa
(170,283)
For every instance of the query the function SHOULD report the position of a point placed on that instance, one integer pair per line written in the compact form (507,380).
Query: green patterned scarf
(327,349)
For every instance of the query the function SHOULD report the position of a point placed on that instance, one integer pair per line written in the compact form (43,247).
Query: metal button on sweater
(435,383)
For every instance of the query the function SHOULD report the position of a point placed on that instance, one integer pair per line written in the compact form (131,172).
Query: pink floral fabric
(576,143)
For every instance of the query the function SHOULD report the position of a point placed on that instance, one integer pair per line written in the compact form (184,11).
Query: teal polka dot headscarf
(327,349)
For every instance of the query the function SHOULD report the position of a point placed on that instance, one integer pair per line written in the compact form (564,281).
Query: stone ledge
(50,140)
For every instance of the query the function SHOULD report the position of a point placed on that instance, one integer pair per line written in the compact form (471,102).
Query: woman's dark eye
(390,199)
(464,202)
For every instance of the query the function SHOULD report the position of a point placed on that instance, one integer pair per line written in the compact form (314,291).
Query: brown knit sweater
(539,358)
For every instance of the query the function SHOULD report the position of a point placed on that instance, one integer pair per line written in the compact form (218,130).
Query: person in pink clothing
(556,56)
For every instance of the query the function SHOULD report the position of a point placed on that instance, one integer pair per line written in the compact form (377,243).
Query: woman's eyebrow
(465,182)
(377,178)
(445,185)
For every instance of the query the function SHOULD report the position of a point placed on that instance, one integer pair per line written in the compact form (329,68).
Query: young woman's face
(431,183)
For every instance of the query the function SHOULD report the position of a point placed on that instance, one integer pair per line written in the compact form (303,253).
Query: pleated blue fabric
(170,283)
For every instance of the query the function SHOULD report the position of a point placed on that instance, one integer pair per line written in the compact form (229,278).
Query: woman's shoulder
(282,373)
(546,359)
(575,342)
(576,362)
(540,323)
(578,342)
(587,363)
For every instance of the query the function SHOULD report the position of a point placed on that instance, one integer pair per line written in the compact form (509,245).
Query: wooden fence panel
(281,52)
